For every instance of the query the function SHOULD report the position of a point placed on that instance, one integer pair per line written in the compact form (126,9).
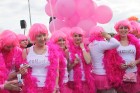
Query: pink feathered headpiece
(36,29)
(134,25)
(138,28)
(77,30)
(95,33)
(56,35)
(21,37)
(7,38)
(122,23)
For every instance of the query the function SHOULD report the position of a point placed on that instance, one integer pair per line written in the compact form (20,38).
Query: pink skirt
(84,87)
(101,82)
(40,90)
(65,89)
(130,87)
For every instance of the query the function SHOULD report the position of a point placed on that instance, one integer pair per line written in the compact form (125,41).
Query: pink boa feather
(77,69)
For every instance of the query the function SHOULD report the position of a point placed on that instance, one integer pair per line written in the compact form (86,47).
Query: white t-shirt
(97,49)
(65,79)
(128,53)
(39,65)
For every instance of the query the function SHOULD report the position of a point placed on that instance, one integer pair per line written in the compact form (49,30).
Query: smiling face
(23,43)
(61,42)
(77,38)
(123,31)
(41,39)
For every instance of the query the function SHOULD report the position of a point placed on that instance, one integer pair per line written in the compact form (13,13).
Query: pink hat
(21,37)
(36,29)
(122,23)
(7,38)
(95,33)
(56,35)
(77,30)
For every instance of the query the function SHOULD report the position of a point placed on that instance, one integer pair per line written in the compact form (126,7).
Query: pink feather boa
(77,69)
(12,59)
(62,67)
(50,82)
(113,61)
(3,73)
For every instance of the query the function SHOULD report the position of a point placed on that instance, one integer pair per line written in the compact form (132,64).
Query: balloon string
(52,15)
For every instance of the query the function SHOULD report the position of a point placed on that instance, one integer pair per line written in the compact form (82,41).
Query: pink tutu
(84,89)
(101,82)
(130,87)
(40,90)
(65,89)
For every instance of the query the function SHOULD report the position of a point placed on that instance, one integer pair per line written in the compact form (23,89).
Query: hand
(132,64)
(106,35)
(124,66)
(76,61)
(24,69)
(12,85)
(82,45)
(67,53)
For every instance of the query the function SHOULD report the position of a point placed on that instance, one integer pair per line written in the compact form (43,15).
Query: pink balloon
(49,9)
(73,21)
(86,24)
(103,14)
(52,1)
(85,8)
(56,24)
(65,8)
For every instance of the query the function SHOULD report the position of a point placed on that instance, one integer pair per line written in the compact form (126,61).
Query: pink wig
(21,37)
(7,38)
(56,35)
(95,33)
(122,23)
(36,29)
(77,30)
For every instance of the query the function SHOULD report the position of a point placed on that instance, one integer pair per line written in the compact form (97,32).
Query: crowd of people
(64,63)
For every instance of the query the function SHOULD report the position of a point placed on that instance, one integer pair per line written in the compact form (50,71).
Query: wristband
(2,87)
(83,49)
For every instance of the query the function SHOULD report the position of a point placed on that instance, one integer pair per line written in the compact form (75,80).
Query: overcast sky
(12,11)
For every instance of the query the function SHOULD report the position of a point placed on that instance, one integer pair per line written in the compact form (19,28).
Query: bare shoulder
(25,53)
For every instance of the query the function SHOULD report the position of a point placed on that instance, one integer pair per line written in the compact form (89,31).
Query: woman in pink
(6,86)
(42,76)
(124,61)
(80,78)
(23,41)
(10,55)
(59,38)
(97,48)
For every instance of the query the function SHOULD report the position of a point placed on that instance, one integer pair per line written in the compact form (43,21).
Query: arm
(86,55)
(112,42)
(10,85)
(134,63)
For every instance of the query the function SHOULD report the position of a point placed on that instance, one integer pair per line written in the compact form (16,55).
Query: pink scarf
(30,81)
(113,61)
(77,69)
(62,67)
(3,73)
